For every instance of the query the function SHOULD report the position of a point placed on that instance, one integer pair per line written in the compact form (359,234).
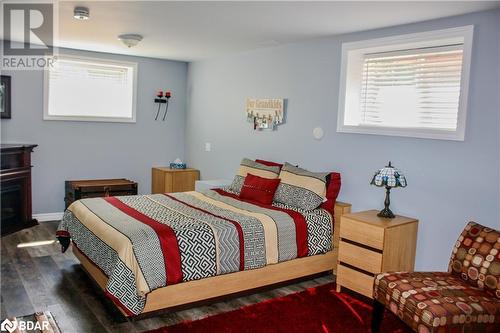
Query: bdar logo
(8,325)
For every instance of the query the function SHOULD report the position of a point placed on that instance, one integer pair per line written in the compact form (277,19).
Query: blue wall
(449,182)
(86,150)
(498,111)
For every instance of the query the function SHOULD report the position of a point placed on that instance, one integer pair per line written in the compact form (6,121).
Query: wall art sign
(265,113)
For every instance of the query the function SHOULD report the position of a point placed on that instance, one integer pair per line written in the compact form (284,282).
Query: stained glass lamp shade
(389,177)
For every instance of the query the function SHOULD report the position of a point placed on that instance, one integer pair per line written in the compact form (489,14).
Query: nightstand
(370,244)
(201,185)
(166,180)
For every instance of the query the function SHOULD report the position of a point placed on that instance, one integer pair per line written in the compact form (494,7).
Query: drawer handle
(357,269)
(364,246)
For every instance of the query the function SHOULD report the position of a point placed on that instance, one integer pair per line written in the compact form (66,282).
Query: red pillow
(259,189)
(332,191)
(269,163)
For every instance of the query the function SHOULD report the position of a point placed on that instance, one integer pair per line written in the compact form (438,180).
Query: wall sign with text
(265,113)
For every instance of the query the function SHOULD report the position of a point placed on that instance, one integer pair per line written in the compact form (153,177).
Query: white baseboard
(48,217)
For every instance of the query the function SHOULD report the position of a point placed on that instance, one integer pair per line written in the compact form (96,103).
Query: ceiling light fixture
(130,39)
(81,13)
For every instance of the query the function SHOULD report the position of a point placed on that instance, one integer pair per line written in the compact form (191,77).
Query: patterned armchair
(464,299)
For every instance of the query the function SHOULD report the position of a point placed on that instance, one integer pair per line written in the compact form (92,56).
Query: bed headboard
(340,209)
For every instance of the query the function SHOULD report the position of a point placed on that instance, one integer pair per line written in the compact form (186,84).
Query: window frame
(351,73)
(46,88)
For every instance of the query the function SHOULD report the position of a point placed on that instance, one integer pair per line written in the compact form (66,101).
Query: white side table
(201,185)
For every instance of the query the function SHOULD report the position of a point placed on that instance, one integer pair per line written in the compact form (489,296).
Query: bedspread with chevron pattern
(146,242)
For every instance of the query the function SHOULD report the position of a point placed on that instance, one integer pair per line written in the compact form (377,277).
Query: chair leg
(377,315)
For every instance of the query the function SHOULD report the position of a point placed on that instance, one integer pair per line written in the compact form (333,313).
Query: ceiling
(197,30)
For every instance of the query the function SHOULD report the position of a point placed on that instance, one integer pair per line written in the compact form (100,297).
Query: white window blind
(90,89)
(413,85)
(417,88)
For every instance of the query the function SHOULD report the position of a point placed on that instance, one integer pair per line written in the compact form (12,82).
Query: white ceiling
(197,30)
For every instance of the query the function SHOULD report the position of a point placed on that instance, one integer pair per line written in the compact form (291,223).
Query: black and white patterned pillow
(301,188)
(237,184)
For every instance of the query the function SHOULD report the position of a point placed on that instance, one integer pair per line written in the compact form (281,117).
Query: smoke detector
(81,13)
(130,40)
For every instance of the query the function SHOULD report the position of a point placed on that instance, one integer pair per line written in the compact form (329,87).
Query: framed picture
(5,106)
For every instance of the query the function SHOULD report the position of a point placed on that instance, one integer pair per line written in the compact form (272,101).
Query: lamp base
(386,213)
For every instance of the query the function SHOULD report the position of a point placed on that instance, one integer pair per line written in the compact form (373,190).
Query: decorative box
(177,165)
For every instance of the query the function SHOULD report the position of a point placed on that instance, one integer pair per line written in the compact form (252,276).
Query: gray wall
(80,150)
(449,182)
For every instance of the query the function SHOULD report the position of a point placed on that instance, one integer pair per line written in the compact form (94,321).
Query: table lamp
(389,177)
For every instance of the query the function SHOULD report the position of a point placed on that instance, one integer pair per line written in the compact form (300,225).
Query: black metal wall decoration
(162,99)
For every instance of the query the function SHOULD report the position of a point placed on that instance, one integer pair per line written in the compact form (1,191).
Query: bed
(159,251)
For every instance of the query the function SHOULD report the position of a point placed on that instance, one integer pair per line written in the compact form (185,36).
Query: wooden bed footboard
(232,283)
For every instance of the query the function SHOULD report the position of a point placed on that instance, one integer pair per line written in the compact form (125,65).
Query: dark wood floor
(41,278)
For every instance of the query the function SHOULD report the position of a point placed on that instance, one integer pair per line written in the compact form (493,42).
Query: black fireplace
(15,187)
(11,205)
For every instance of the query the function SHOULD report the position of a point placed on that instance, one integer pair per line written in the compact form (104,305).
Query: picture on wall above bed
(265,113)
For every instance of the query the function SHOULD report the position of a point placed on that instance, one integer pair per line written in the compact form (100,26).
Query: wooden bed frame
(214,287)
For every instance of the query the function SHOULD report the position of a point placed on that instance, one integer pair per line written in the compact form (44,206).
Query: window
(86,89)
(412,85)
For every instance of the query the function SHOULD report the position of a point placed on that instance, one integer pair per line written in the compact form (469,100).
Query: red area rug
(319,309)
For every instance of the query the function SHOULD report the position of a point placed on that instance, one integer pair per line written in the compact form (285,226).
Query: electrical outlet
(208,146)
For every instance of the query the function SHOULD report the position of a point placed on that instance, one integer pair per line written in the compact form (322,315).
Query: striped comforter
(149,241)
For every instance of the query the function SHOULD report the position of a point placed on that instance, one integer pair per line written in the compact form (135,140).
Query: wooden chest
(93,188)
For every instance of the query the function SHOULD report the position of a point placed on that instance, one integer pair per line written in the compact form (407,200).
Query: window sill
(90,119)
(404,132)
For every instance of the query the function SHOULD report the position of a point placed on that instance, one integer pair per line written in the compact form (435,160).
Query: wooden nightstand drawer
(363,233)
(354,280)
(368,260)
